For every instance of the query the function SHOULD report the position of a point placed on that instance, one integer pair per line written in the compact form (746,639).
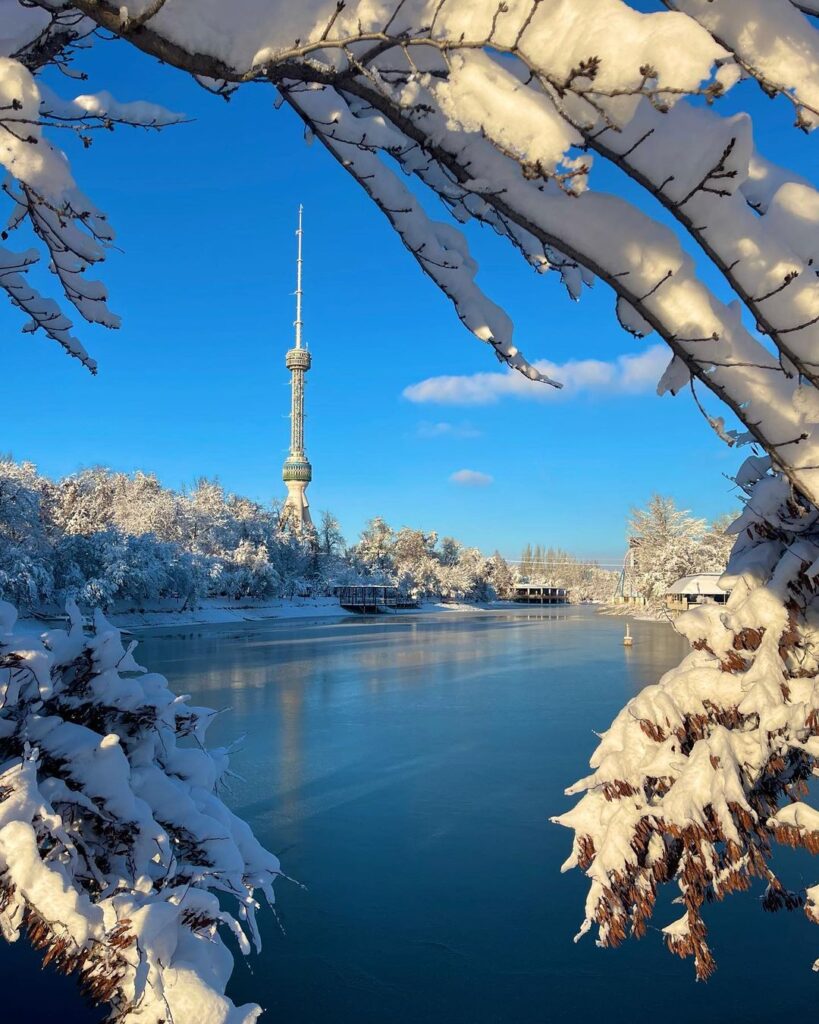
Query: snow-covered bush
(118,858)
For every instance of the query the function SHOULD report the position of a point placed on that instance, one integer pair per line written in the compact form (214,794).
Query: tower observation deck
(297,471)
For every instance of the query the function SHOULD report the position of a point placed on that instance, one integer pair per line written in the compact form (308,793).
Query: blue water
(404,769)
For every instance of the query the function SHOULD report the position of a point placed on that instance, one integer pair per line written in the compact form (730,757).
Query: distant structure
(698,588)
(626,592)
(373,599)
(297,471)
(540,593)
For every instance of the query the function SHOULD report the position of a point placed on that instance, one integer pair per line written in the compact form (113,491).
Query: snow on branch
(39,186)
(114,844)
(496,110)
(772,42)
(43,314)
(104,110)
(598,232)
(440,249)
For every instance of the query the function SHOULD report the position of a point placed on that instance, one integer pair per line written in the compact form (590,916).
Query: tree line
(106,538)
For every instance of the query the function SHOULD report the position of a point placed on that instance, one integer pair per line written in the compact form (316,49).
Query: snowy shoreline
(219,612)
(639,613)
(215,612)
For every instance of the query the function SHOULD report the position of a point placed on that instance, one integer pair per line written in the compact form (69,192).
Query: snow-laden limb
(697,775)
(104,108)
(766,260)
(473,98)
(43,314)
(114,845)
(491,107)
(43,193)
(441,251)
(39,186)
(639,258)
(772,41)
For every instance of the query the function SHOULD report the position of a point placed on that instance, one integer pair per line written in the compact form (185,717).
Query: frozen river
(404,769)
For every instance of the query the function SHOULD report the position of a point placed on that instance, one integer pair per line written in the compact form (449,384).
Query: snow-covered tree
(108,538)
(97,499)
(425,568)
(669,543)
(714,549)
(449,551)
(374,548)
(330,538)
(471,576)
(416,563)
(501,577)
(500,109)
(25,575)
(665,540)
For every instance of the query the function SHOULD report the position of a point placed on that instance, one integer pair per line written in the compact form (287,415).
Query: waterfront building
(697,588)
(540,593)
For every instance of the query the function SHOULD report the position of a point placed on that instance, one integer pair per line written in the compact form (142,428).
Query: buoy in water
(628,639)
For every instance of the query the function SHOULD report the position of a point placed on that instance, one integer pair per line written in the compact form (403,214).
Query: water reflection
(405,768)
(656,648)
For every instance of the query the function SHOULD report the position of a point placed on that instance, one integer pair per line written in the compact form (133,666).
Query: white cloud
(470,478)
(429,430)
(626,375)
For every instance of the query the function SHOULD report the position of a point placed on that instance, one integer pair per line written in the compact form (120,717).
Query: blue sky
(194,383)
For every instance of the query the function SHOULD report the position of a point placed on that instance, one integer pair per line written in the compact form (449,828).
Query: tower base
(295,515)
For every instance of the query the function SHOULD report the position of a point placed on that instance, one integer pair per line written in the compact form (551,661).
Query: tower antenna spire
(297,471)
(298,322)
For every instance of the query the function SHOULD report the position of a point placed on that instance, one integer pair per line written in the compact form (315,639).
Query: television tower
(297,471)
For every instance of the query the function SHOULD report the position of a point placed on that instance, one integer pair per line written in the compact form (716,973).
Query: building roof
(706,583)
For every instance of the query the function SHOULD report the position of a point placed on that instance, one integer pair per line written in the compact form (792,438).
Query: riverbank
(639,613)
(215,612)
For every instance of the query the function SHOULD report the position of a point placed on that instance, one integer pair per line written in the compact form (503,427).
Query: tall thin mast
(298,322)
(297,471)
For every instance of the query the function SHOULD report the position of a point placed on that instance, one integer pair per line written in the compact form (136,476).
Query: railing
(540,594)
(362,598)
